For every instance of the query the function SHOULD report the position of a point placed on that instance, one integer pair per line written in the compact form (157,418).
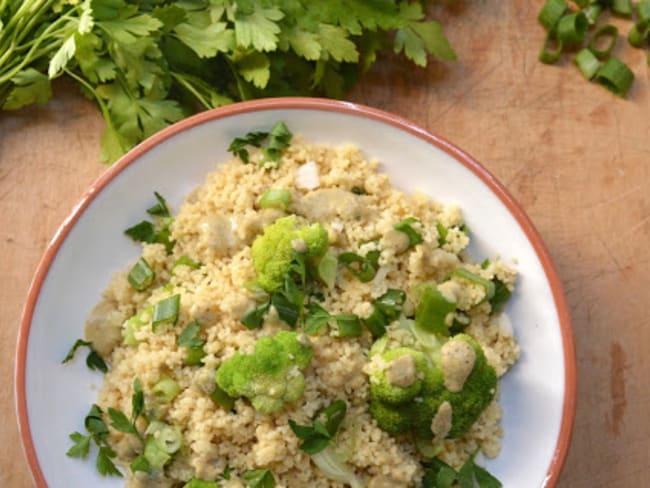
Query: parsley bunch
(149,63)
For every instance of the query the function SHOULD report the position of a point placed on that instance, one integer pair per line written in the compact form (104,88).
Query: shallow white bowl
(537,395)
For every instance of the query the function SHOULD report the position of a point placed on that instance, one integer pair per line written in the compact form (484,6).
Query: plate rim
(326,105)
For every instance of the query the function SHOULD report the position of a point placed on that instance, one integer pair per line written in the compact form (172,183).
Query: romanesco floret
(274,250)
(408,386)
(272,375)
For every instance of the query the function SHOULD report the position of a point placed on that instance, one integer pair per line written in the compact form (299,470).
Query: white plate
(537,395)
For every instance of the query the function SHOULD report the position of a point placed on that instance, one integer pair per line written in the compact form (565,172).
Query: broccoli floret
(406,394)
(274,250)
(477,393)
(272,375)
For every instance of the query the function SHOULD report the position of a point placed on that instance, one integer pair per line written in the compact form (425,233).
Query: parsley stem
(28,58)
(188,86)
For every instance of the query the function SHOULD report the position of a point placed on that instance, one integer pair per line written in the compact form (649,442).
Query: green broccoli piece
(405,394)
(477,393)
(272,375)
(273,251)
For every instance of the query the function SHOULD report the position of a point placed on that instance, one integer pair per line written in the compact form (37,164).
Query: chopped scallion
(636,37)
(572,28)
(603,33)
(615,76)
(349,325)
(406,226)
(622,7)
(501,294)
(185,260)
(166,311)
(275,198)
(643,11)
(141,275)
(592,12)
(552,12)
(552,49)
(442,234)
(166,390)
(432,311)
(476,279)
(587,63)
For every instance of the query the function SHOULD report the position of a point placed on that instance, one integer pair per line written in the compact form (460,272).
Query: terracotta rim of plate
(568,409)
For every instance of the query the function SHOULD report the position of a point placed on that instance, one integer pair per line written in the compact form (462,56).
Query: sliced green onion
(391,302)
(592,12)
(349,325)
(275,198)
(185,260)
(501,294)
(636,37)
(552,49)
(615,76)
(327,270)
(376,323)
(442,234)
(141,275)
(476,279)
(364,268)
(604,32)
(552,12)
(189,338)
(166,311)
(622,7)
(154,453)
(133,324)
(432,311)
(220,397)
(460,323)
(572,28)
(406,226)
(140,463)
(166,390)
(587,63)
(169,438)
(643,11)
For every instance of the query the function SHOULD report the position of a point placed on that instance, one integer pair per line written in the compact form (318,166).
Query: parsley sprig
(97,432)
(318,436)
(438,474)
(272,143)
(147,64)
(94,361)
(157,231)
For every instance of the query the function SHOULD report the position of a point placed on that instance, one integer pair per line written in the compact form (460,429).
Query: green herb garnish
(259,478)
(166,311)
(272,143)
(406,226)
(317,436)
(141,275)
(364,268)
(94,361)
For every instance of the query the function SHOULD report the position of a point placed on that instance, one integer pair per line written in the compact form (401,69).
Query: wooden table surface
(575,157)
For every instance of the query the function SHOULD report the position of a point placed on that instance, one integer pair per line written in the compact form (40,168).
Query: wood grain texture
(575,157)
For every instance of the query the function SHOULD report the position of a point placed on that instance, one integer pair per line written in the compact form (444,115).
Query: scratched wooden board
(577,158)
